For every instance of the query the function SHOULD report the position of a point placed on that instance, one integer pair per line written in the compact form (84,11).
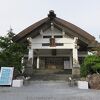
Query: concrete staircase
(48,74)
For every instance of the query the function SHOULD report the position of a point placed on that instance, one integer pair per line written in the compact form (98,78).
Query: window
(46,36)
(48,44)
(58,36)
(59,44)
(45,44)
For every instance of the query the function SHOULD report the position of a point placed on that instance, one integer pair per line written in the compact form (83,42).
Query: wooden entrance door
(54,63)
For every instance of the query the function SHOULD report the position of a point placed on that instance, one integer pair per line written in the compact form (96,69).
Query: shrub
(90,65)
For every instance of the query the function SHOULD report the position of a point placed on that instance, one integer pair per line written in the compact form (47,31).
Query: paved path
(48,90)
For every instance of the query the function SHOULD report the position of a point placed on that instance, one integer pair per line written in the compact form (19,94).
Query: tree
(11,53)
(90,65)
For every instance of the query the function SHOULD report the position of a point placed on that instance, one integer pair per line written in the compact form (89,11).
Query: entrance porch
(52,63)
(52,59)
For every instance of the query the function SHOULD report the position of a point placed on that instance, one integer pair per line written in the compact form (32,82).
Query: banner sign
(6,75)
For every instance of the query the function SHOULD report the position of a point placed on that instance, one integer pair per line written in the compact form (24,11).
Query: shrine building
(54,43)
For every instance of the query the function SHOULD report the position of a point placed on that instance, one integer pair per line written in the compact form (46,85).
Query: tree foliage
(11,53)
(90,65)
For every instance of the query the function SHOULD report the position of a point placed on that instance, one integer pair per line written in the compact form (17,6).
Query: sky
(19,14)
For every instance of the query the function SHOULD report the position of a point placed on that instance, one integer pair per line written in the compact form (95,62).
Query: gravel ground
(48,90)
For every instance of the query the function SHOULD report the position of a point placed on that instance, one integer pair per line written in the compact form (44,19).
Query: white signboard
(6,75)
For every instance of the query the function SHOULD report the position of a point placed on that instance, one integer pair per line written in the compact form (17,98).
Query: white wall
(37,41)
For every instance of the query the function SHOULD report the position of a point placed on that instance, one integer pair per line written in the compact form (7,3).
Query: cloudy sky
(19,14)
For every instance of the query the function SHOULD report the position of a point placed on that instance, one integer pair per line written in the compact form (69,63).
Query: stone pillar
(70,61)
(76,67)
(30,56)
(29,66)
(37,62)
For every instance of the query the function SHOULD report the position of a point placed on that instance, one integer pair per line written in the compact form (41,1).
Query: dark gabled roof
(75,29)
(52,17)
(29,29)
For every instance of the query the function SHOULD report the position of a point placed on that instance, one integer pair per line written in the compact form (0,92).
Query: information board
(6,75)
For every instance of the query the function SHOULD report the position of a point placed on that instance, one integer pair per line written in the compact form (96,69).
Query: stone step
(51,77)
(51,74)
(46,83)
(48,71)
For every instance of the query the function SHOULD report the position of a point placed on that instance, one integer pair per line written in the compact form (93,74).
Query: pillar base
(76,71)
(28,70)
